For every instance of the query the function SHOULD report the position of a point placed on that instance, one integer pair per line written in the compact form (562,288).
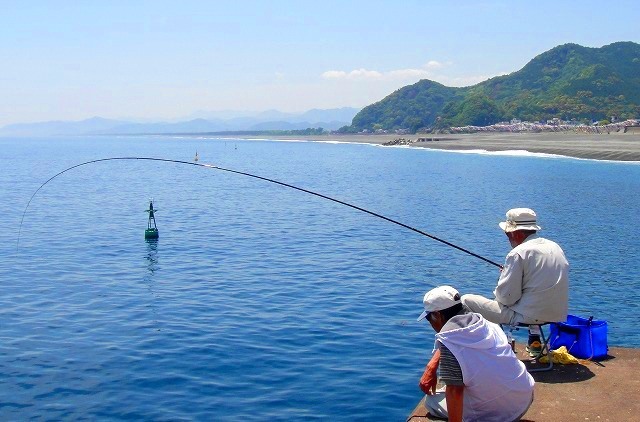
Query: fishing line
(210,166)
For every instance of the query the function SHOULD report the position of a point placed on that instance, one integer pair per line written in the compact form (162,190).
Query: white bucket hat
(520,219)
(440,298)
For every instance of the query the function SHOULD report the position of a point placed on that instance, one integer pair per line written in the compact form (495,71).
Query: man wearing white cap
(484,379)
(534,283)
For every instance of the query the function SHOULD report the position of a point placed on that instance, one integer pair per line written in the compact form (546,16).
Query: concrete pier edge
(608,390)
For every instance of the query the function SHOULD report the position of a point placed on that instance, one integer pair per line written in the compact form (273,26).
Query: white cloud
(354,74)
(433,64)
(408,74)
(365,74)
(334,74)
(397,74)
(431,70)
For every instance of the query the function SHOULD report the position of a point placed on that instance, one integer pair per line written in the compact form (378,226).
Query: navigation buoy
(152,230)
(196,159)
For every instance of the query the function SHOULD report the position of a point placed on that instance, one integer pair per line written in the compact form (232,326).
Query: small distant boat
(196,157)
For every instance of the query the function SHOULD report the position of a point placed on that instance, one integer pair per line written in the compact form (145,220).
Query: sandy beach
(614,146)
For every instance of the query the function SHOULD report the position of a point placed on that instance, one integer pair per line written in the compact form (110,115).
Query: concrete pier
(590,391)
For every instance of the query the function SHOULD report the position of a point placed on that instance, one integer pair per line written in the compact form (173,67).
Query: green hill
(568,82)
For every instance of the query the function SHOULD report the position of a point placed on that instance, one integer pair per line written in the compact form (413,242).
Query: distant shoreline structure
(520,127)
(528,127)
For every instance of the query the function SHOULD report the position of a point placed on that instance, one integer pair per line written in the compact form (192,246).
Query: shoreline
(604,147)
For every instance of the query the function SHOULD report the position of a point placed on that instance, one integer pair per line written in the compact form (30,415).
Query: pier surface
(590,391)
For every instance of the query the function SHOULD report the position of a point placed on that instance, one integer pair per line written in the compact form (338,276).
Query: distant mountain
(195,125)
(217,115)
(569,82)
(94,124)
(344,114)
(284,125)
(268,120)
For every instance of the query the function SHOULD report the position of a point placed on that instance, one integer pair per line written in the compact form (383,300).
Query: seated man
(534,284)
(484,379)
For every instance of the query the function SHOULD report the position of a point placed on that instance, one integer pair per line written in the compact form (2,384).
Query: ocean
(260,302)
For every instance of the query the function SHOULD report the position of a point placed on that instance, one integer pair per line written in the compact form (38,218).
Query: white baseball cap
(520,219)
(438,299)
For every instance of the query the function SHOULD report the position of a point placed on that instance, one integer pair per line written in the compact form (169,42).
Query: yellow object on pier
(561,356)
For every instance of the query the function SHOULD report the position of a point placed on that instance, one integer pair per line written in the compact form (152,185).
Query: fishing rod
(211,166)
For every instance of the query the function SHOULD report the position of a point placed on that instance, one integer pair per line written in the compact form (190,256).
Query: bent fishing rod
(211,166)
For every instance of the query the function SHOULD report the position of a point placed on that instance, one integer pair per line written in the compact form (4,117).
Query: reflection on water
(152,266)
(152,256)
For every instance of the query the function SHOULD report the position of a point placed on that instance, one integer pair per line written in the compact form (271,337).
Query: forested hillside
(566,82)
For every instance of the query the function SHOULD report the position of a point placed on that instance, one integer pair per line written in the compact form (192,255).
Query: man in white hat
(534,283)
(484,379)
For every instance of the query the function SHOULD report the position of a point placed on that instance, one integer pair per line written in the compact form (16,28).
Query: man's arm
(429,378)
(509,289)
(455,398)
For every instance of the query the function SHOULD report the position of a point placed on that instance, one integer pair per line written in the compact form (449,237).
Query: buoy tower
(152,230)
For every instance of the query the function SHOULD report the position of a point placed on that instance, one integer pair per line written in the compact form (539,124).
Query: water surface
(261,302)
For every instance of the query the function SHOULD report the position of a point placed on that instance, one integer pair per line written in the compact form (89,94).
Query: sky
(164,60)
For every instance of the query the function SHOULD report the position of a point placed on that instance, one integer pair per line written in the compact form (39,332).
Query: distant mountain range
(202,121)
(567,82)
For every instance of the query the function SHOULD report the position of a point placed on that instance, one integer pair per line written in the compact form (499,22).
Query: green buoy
(152,230)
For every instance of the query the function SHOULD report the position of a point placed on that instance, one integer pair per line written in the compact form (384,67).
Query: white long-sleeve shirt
(535,281)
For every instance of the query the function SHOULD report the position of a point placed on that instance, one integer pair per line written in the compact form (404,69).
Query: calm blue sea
(260,302)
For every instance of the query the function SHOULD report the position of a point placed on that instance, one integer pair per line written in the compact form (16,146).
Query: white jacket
(535,281)
(497,386)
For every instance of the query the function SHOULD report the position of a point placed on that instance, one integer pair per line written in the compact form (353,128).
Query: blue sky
(71,60)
